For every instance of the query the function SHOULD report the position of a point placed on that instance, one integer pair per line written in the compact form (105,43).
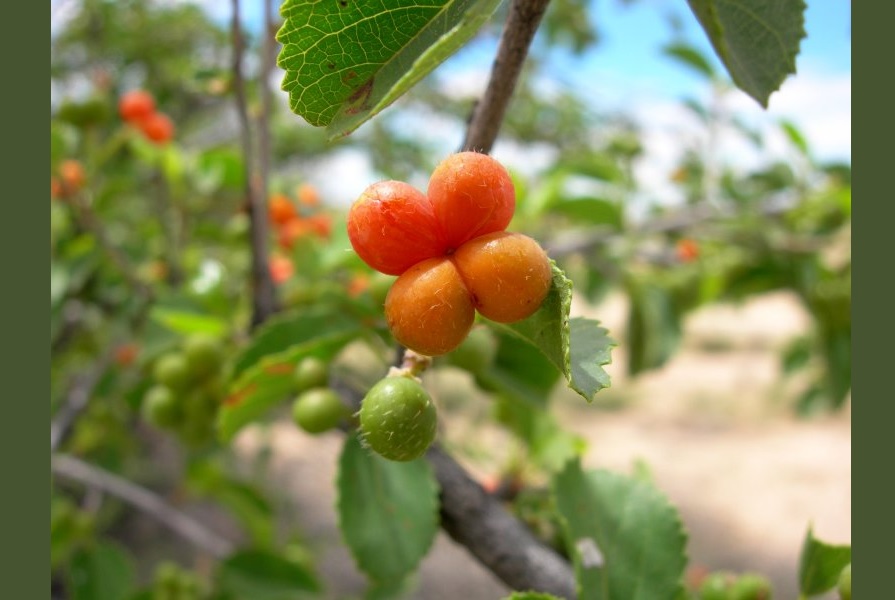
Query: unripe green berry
(397,418)
(203,354)
(318,410)
(750,587)
(311,372)
(160,407)
(172,370)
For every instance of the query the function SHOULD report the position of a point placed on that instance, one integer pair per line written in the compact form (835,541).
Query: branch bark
(522,23)
(264,296)
(183,525)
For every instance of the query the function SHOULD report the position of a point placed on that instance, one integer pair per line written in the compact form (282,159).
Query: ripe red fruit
(157,128)
(307,195)
(428,308)
(687,250)
(471,194)
(281,268)
(72,173)
(507,274)
(136,105)
(392,227)
(280,209)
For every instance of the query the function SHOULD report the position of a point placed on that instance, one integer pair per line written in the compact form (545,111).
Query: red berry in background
(157,128)
(687,250)
(281,268)
(136,105)
(392,227)
(307,195)
(471,194)
(126,354)
(280,209)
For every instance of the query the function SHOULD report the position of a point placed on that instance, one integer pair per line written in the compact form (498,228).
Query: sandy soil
(714,427)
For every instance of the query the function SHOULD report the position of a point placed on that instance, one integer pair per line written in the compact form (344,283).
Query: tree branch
(264,297)
(522,23)
(498,540)
(185,526)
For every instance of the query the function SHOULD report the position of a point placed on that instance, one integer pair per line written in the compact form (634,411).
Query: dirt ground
(714,427)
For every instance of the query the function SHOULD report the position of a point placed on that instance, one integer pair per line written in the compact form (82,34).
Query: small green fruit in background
(172,370)
(160,407)
(397,418)
(318,410)
(477,351)
(845,583)
(203,354)
(750,587)
(310,372)
(715,586)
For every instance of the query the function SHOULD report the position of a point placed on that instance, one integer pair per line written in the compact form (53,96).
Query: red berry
(136,105)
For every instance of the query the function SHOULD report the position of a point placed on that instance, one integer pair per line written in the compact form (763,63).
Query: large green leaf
(263,575)
(654,328)
(626,540)
(103,572)
(388,511)
(282,331)
(271,379)
(578,348)
(520,371)
(757,41)
(346,60)
(820,565)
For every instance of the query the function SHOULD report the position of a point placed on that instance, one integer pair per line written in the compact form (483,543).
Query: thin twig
(185,526)
(522,23)
(77,399)
(264,298)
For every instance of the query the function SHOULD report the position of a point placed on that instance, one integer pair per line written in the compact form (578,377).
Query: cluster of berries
(451,252)
(137,107)
(292,222)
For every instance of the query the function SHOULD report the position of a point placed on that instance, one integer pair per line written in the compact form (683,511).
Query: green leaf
(103,572)
(550,445)
(282,331)
(270,380)
(820,565)
(590,350)
(595,211)
(690,57)
(757,41)
(185,322)
(520,371)
(795,136)
(388,511)
(347,60)
(577,348)
(263,575)
(626,540)
(654,329)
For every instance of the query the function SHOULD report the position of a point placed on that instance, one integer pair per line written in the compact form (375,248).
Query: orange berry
(157,128)
(72,174)
(687,250)
(359,284)
(280,209)
(281,268)
(507,274)
(126,354)
(392,227)
(56,190)
(307,195)
(321,224)
(292,230)
(428,308)
(136,105)
(471,194)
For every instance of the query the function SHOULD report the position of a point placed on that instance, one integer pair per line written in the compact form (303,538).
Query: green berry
(477,351)
(173,371)
(160,407)
(397,418)
(203,354)
(310,372)
(750,587)
(715,587)
(318,410)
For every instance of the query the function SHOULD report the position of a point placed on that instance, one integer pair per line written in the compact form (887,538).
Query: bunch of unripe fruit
(451,252)
(187,389)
